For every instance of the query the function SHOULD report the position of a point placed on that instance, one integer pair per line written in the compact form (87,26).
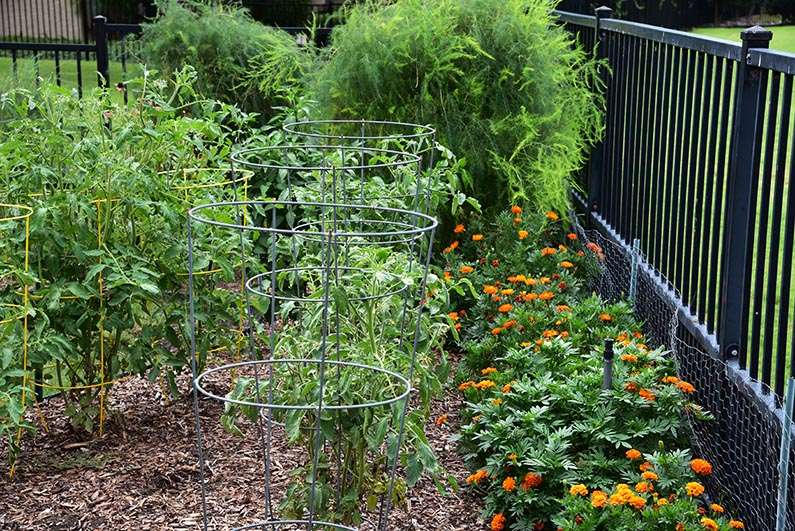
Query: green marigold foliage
(237,59)
(500,80)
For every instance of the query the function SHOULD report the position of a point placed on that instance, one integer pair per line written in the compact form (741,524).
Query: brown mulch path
(143,474)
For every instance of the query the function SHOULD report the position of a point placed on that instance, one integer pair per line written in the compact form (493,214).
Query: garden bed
(143,474)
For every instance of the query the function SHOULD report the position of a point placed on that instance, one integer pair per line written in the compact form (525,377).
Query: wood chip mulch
(143,473)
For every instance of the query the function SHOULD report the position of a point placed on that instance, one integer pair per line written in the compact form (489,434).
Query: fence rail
(698,166)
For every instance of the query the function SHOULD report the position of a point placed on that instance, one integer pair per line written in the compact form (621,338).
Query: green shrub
(237,59)
(499,79)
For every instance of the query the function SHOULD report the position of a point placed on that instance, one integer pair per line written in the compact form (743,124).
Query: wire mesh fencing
(744,437)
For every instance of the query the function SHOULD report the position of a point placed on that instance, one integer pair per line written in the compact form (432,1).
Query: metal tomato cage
(303,265)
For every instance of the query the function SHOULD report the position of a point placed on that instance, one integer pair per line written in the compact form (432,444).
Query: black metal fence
(697,168)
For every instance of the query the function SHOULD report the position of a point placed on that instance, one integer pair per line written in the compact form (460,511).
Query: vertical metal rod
(607,377)
(633,278)
(783,460)
(194,374)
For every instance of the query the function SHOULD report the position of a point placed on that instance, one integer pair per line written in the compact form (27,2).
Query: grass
(27,70)
(783,36)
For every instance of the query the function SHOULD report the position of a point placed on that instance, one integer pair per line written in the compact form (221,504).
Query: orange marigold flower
(598,499)
(552,216)
(531,480)
(670,380)
(549,334)
(702,467)
(523,234)
(563,308)
(457,326)
(662,501)
(736,524)
(622,495)
(496,298)
(454,316)
(496,402)
(477,237)
(638,502)
(497,331)
(448,276)
(644,466)
(441,419)
(505,308)
(709,523)
(517,220)
(650,476)
(498,522)
(506,388)
(516,210)
(642,487)
(629,358)
(605,317)
(685,387)
(578,490)
(647,394)
(572,236)
(477,477)
(565,264)
(631,387)
(633,454)
(507,291)
(680,527)
(546,295)
(548,251)
(528,297)
(489,289)
(716,508)
(544,280)
(488,370)
(465,269)
(694,488)
(509,484)
(459,228)
(466,385)
(485,384)
(510,323)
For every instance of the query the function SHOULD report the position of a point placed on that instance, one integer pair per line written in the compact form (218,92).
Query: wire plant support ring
(334,297)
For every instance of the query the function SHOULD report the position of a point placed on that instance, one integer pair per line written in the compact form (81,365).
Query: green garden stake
(607,379)
(783,460)
(633,279)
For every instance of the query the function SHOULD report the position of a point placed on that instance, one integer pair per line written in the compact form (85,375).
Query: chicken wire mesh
(744,441)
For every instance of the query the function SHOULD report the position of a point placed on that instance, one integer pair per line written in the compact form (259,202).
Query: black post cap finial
(603,12)
(756,37)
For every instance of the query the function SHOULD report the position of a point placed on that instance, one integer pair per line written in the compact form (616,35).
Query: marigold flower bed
(548,446)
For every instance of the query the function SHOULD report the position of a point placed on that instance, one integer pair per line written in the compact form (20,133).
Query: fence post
(101,41)
(597,155)
(743,174)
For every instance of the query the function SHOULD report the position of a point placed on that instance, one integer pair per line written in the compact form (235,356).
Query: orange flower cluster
(736,524)
(523,234)
(566,264)
(488,289)
(623,495)
(505,308)
(509,484)
(578,490)
(465,269)
(450,248)
(629,358)
(488,370)
(459,228)
(647,394)
(605,317)
(441,419)
(709,523)
(498,522)
(694,489)
(477,477)
(531,480)
(598,499)
(477,237)
(552,216)
(548,251)
(702,467)
(633,454)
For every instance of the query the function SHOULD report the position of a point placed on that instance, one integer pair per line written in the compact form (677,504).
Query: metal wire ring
(256,278)
(26,209)
(408,158)
(415,229)
(303,407)
(292,128)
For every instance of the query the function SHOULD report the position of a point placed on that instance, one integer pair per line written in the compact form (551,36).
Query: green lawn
(783,36)
(27,71)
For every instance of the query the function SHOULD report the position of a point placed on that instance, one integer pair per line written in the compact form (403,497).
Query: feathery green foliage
(500,80)
(237,59)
